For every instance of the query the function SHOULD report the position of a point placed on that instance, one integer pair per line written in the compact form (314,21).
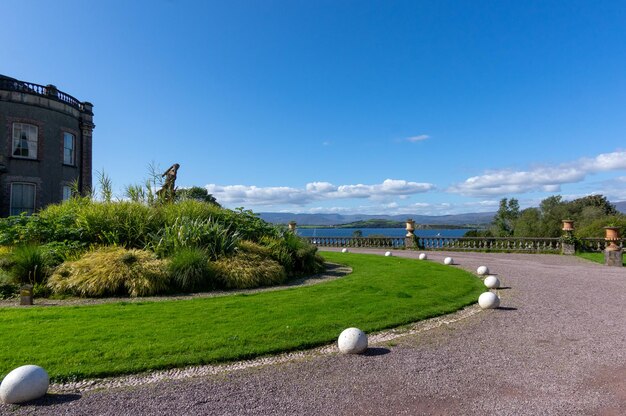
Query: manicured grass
(596,257)
(111,339)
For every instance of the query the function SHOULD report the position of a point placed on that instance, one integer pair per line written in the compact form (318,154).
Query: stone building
(45,146)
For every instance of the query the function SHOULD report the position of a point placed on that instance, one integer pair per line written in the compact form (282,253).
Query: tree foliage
(197,193)
(590,214)
(504,221)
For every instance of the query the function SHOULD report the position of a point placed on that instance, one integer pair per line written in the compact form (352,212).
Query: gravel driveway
(557,346)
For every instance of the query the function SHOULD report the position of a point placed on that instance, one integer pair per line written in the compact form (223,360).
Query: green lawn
(596,257)
(111,339)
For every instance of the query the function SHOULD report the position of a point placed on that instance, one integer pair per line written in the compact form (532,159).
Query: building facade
(45,146)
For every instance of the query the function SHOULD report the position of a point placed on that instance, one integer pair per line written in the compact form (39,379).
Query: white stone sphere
(388,254)
(448,260)
(489,300)
(482,270)
(345,250)
(423,256)
(492,282)
(25,383)
(352,341)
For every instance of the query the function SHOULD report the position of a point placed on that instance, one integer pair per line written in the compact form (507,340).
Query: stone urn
(292,226)
(611,235)
(568,225)
(410,227)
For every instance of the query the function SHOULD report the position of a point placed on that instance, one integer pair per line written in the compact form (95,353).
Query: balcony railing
(49,91)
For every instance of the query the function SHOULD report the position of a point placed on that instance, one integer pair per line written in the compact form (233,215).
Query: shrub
(8,289)
(296,255)
(56,252)
(29,264)
(596,228)
(246,270)
(112,271)
(190,270)
(5,258)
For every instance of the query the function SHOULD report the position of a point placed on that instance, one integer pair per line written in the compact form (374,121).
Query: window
(69,146)
(24,141)
(67,193)
(22,198)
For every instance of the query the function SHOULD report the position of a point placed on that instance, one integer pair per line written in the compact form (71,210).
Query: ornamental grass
(112,271)
(190,270)
(248,270)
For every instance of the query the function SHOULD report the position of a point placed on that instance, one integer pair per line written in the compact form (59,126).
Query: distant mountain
(337,219)
(476,218)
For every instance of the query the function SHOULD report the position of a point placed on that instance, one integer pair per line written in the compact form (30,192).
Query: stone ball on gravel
(423,256)
(482,270)
(345,250)
(448,260)
(352,341)
(492,282)
(489,300)
(388,254)
(23,384)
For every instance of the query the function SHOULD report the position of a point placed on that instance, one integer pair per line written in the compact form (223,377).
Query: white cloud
(320,187)
(314,191)
(546,179)
(419,138)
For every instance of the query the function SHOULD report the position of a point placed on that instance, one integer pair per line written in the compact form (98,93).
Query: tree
(197,193)
(528,224)
(503,224)
(596,201)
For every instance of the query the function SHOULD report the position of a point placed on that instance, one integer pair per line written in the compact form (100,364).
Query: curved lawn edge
(333,271)
(116,339)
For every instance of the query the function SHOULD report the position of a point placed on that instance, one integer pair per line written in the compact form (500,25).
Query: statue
(168,191)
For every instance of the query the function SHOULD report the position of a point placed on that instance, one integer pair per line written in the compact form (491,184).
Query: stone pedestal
(409,242)
(568,249)
(26,295)
(613,258)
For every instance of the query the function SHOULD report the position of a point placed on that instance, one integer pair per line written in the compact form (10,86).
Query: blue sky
(416,107)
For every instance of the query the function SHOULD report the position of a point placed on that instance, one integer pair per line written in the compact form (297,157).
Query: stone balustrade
(365,242)
(498,244)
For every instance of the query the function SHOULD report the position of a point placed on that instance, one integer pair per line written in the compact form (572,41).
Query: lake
(387,232)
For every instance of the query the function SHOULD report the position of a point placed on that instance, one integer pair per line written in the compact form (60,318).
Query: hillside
(473,219)
(339,219)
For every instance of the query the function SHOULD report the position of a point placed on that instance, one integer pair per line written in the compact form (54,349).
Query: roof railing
(48,91)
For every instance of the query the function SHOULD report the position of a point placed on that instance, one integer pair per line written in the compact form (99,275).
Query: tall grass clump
(112,271)
(185,232)
(29,265)
(246,270)
(190,270)
(121,223)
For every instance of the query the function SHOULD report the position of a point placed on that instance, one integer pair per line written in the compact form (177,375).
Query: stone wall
(47,171)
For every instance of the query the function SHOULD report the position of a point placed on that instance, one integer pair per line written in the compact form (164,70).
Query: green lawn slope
(120,338)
